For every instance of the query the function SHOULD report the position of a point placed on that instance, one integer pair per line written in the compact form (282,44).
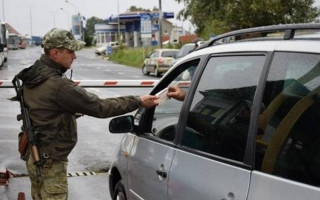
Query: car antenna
(71,74)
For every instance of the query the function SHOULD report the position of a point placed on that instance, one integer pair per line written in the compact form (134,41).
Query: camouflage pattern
(53,184)
(53,101)
(60,38)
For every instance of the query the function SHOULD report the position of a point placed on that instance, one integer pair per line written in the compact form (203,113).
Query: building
(135,28)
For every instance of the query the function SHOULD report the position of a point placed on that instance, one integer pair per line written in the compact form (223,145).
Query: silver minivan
(248,128)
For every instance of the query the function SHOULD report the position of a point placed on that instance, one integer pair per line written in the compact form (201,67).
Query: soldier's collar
(51,63)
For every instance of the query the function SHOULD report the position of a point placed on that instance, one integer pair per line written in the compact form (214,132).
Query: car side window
(288,138)
(154,54)
(166,115)
(219,116)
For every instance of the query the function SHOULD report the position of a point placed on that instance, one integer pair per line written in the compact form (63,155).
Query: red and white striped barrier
(100,83)
(108,83)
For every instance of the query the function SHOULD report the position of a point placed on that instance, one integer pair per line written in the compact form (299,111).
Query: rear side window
(288,139)
(154,54)
(219,116)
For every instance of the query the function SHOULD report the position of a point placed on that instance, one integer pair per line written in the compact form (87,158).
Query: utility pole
(118,38)
(160,24)
(31,25)
(74,7)
(54,19)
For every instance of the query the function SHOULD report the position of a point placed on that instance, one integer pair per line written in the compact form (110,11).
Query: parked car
(2,55)
(102,50)
(248,127)
(186,49)
(159,61)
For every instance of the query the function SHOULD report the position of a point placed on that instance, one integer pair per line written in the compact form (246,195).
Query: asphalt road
(95,147)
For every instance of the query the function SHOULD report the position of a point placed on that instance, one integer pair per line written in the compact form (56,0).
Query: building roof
(137,15)
(11,29)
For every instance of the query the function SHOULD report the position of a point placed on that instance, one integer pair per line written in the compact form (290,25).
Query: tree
(89,32)
(135,9)
(218,16)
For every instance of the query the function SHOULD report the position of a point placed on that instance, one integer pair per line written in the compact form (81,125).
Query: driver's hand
(176,93)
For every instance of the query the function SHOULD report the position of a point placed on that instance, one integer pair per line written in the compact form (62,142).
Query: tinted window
(219,116)
(169,53)
(288,140)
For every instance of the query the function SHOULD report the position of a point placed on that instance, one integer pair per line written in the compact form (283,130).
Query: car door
(287,156)
(152,152)
(209,160)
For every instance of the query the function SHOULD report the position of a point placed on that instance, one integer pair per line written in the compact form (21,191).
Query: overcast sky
(46,14)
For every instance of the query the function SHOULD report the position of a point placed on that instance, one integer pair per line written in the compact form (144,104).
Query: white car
(159,61)
(103,49)
(3,54)
(248,128)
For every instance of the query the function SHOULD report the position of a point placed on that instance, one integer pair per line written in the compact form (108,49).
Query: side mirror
(1,48)
(123,124)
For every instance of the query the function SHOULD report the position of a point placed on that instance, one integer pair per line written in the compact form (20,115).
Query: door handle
(230,196)
(161,172)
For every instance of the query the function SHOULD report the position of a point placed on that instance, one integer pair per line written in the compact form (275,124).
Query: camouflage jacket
(53,100)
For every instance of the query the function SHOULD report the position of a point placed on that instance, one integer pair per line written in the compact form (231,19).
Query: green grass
(133,56)
(130,56)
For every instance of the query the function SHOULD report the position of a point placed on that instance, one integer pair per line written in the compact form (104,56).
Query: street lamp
(68,16)
(75,9)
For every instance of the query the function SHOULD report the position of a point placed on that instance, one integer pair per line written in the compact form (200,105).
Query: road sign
(146,27)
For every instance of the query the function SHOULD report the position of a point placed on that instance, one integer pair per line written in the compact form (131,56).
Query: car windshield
(185,50)
(169,54)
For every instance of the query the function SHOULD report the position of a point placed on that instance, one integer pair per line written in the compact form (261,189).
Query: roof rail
(288,29)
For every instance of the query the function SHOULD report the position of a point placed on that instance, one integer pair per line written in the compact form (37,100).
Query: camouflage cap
(60,38)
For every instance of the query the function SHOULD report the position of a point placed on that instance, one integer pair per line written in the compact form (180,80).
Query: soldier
(52,101)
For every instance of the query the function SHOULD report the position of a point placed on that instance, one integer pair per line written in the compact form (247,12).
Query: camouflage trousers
(53,184)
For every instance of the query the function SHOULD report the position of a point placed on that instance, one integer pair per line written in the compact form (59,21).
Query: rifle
(27,128)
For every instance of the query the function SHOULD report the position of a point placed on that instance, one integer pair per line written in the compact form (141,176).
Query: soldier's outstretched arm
(149,101)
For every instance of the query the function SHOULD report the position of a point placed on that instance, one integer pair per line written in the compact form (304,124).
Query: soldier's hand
(149,101)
